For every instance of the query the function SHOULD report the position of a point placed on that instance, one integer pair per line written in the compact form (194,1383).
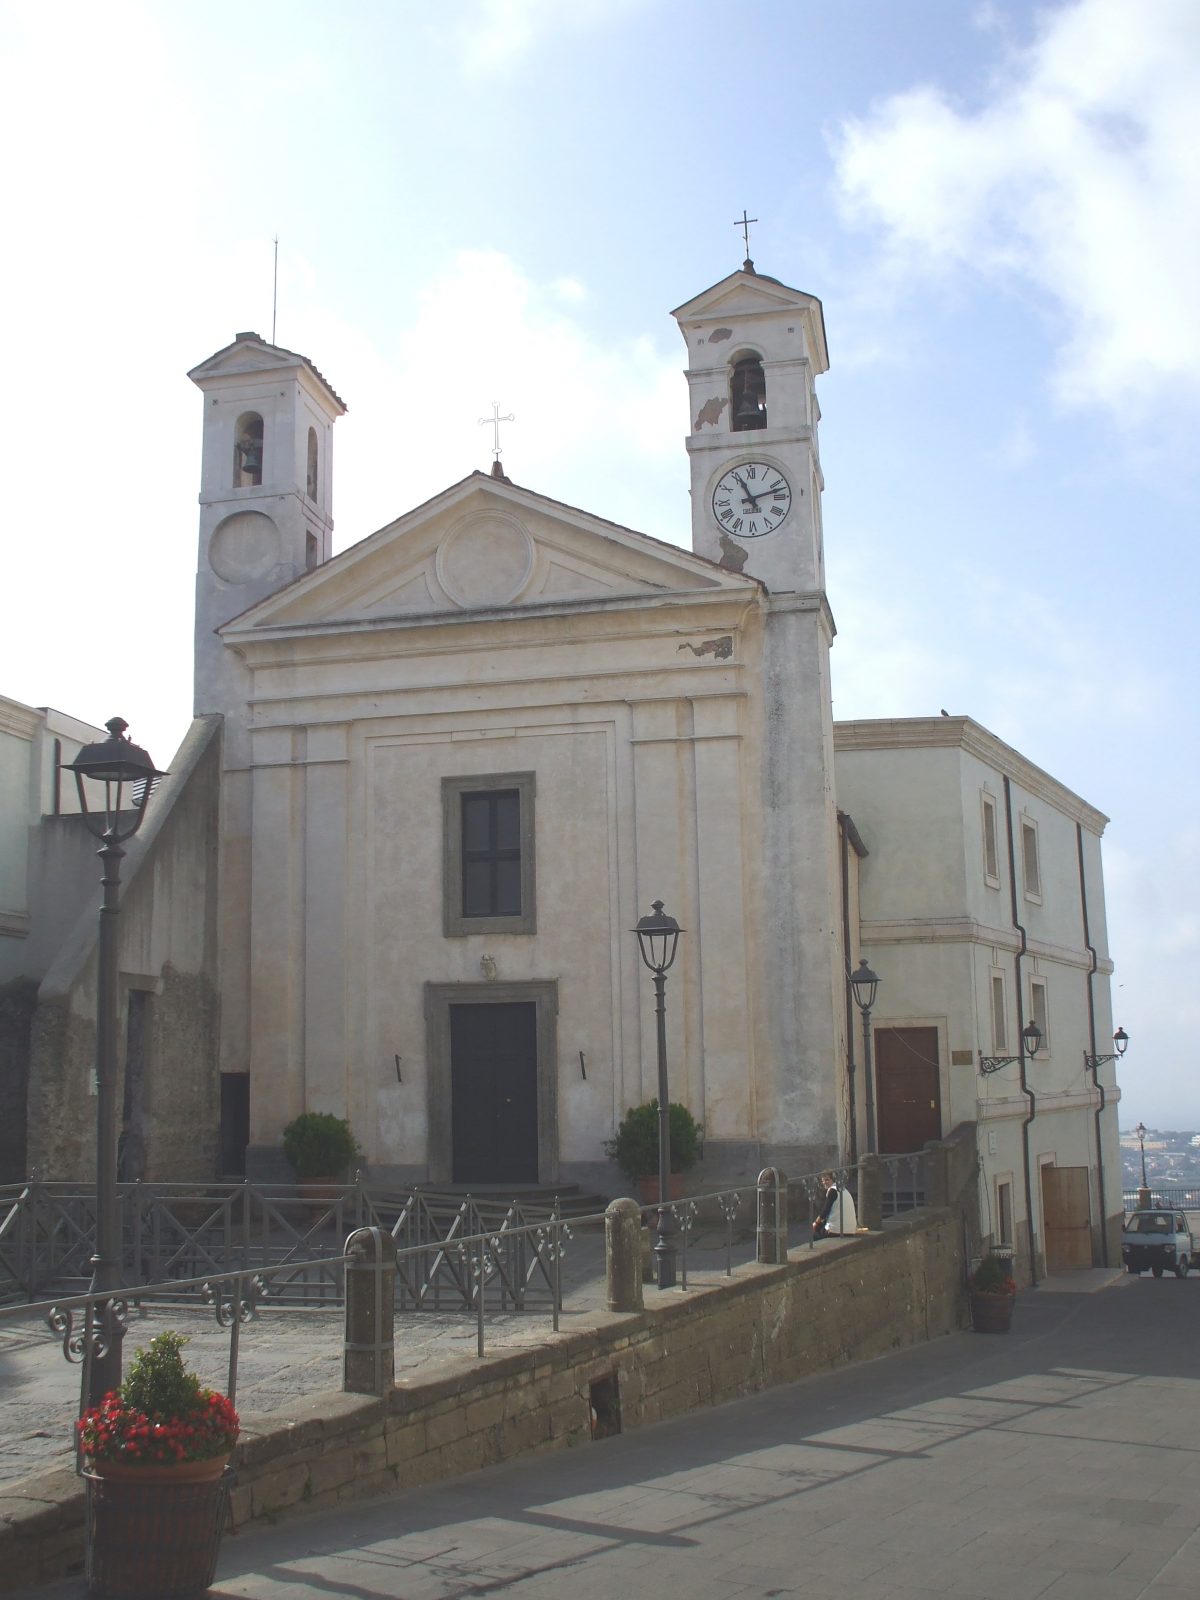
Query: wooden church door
(493,1093)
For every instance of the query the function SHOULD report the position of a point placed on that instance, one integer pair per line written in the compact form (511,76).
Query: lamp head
(1121,1040)
(658,938)
(121,766)
(1031,1037)
(865,985)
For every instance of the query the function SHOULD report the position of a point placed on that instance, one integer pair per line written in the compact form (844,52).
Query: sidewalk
(1060,1461)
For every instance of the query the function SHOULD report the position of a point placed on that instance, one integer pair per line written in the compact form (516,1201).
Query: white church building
(449,768)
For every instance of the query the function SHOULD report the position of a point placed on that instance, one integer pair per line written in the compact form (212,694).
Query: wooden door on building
(1067,1216)
(493,1093)
(908,1094)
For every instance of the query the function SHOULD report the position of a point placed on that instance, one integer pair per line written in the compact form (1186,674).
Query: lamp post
(658,940)
(127,774)
(1093,1063)
(1141,1130)
(864,985)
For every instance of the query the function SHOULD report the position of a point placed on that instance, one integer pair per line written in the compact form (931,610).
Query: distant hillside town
(1172,1159)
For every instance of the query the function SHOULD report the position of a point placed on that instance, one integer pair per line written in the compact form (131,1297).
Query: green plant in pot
(320,1147)
(993,1293)
(635,1147)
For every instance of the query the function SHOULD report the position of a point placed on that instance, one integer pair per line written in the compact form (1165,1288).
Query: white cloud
(1076,177)
(579,402)
(495,34)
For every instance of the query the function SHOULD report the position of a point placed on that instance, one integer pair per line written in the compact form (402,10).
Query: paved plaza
(286,1354)
(1061,1461)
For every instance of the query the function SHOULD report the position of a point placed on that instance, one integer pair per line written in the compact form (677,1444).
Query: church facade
(434,781)
(465,756)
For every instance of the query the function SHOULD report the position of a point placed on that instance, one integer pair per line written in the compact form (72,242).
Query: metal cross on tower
(495,420)
(743,222)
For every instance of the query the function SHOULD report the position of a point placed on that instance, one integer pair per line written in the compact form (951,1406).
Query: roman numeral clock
(751,499)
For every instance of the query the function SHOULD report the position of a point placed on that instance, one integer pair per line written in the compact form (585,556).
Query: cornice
(17,719)
(255,643)
(966,930)
(964,733)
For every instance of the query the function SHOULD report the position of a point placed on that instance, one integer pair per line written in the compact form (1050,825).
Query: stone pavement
(1061,1461)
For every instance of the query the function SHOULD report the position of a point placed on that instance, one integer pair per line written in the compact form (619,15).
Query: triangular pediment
(744,296)
(249,354)
(485,546)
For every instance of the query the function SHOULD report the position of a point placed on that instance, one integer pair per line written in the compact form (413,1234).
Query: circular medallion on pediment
(485,560)
(244,547)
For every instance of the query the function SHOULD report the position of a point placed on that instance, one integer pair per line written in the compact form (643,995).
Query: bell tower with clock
(755,349)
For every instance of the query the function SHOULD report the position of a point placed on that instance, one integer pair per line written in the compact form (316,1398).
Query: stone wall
(167,957)
(846,1301)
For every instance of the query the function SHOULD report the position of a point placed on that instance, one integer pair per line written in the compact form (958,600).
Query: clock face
(751,499)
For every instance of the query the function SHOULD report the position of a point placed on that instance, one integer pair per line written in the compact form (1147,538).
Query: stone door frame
(439,997)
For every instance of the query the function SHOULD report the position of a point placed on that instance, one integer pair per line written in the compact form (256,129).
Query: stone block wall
(845,1301)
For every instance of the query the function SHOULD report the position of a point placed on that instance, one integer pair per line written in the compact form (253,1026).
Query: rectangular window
(999,1015)
(1039,1012)
(1029,857)
(1004,1223)
(991,858)
(487,838)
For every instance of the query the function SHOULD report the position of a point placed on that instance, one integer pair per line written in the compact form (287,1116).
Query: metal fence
(176,1232)
(1178,1199)
(175,1237)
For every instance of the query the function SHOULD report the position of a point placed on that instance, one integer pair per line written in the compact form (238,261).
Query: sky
(998,205)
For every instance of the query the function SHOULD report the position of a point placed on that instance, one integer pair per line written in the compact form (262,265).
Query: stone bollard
(870,1193)
(369,1352)
(772,1217)
(623,1255)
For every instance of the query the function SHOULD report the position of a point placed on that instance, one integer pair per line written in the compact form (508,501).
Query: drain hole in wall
(604,1406)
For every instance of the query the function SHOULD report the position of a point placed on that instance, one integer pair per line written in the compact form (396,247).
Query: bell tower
(266,503)
(755,349)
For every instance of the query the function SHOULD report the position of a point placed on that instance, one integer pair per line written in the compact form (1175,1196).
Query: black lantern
(658,938)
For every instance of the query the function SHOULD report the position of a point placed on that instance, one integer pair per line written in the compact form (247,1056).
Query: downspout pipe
(844,826)
(1025,1089)
(1092,1062)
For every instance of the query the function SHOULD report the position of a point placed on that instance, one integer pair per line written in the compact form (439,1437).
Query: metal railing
(904,1182)
(177,1236)
(1177,1197)
(182,1231)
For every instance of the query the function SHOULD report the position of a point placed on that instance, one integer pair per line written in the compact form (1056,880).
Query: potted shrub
(320,1147)
(635,1148)
(155,1458)
(993,1293)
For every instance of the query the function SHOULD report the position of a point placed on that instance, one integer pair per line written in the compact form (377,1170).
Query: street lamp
(1031,1038)
(1120,1039)
(127,774)
(864,985)
(658,940)
(1141,1130)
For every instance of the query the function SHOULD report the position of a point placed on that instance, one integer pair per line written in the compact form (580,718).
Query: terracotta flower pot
(991,1313)
(153,1531)
(647,1189)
